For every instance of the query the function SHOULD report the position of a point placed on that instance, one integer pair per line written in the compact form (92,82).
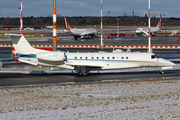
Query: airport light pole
(101,28)
(21,20)
(149,38)
(54,27)
(117,27)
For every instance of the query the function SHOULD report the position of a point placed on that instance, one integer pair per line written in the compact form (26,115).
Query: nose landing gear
(161,72)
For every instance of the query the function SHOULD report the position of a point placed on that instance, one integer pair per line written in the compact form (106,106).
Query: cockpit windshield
(157,56)
(154,56)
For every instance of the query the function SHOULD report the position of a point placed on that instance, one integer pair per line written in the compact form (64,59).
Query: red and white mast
(101,28)
(149,38)
(54,27)
(21,20)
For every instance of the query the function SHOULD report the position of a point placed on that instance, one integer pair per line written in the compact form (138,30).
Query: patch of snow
(140,99)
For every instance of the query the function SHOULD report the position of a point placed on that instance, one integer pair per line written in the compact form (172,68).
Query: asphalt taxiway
(61,77)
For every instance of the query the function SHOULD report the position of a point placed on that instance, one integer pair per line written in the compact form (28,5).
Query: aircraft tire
(81,74)
(161,72)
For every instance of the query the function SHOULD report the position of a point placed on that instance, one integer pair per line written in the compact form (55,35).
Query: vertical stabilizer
(67,26)
(159,25)
(22,46)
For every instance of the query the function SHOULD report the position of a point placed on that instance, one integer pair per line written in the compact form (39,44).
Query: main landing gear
(82,71)
(75,37)
(81,74)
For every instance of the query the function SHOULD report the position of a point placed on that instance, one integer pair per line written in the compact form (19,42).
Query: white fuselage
(81,32)
(115,60)
(94,61)
(146,29)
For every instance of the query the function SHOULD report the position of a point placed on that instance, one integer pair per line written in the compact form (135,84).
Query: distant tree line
(89,20)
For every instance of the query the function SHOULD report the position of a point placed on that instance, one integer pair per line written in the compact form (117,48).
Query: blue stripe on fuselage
(25,56)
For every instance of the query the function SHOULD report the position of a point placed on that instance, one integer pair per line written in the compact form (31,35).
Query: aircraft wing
(113,66)
(145,33)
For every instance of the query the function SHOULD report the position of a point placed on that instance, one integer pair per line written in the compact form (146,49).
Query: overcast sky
(36,8)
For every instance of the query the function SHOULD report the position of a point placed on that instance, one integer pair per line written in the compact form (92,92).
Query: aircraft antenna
(54,27)
(149,38)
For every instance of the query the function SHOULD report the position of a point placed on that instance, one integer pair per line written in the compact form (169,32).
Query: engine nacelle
(52,56)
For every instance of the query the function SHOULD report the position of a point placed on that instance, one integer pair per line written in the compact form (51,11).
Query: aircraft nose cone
(173,64)
(170,63)
(166,62)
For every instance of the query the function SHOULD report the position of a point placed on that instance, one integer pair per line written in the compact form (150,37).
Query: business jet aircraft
(145,30)
(85,62)
(80,33)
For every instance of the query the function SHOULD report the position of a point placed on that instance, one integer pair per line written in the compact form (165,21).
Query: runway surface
(69,40)
(22,79)
(61,77)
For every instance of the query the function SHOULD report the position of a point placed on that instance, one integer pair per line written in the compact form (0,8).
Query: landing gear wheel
(75,37)
(82,71)
(92,37)
(80,74)
(161,72)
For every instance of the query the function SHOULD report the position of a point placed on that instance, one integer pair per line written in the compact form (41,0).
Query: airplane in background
(145,30)
(28,28)
(85,62)
(80,33)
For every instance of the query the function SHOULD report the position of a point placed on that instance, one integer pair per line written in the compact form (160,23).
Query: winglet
(66,24)
(159,25)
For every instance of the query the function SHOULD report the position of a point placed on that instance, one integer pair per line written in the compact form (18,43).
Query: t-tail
(66,24)
(22,46)
(26,53)
(159,25)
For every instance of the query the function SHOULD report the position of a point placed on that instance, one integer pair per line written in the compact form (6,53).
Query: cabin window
(107,57)
(75,57)
(102,57)
(153,56)
(86,57)
(122,57)
(113,57)
(126,57)
(80,57)
(92,58)
(97,57)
